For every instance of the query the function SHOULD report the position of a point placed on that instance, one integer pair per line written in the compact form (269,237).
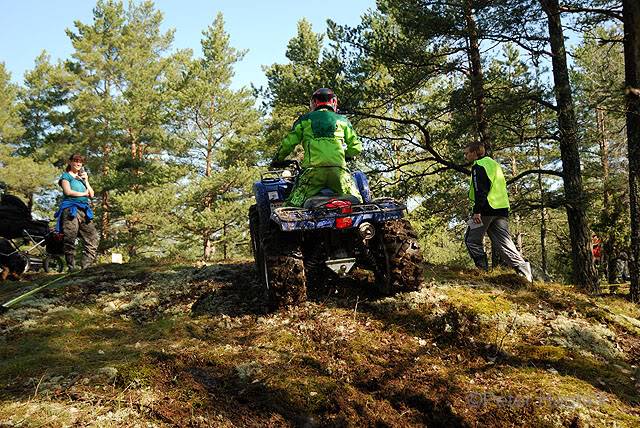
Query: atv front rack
(380,210)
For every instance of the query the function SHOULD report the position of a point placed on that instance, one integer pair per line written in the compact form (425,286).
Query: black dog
(13,264)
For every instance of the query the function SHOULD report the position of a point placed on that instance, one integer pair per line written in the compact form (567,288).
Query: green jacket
(326,137)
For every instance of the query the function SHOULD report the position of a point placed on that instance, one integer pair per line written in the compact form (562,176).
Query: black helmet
(324,97)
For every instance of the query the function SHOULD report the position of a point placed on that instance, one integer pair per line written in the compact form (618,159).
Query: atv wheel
(24,261)
(52,264)
(315,269)
(282,268)
(398,258)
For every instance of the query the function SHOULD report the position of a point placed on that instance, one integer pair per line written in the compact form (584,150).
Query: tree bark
(208,247)
(224,241)
(477,79)
(104,196)
(517,230)
(609,244)
(584,272)
(104,221)
(207,203)
(631,15)
(543,210)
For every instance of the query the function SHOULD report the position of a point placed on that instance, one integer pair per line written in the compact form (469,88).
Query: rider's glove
(278,164)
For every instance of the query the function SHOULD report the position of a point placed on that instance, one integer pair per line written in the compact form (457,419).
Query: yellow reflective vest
(498,196)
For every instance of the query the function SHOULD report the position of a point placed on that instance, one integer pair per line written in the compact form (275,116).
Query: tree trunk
(224,241)
(104,196)
(208,247)
(584,272)
(208,161)
(543,218)
(631,13)
(207,203)
(517,230)
(104,221)
(604,156)
(477,80)
(132,248)
(609,244)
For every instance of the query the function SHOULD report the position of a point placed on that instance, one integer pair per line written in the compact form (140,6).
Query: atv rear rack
(292,218)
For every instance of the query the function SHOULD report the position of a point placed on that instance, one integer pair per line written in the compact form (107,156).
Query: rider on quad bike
(321,222)
(328,140)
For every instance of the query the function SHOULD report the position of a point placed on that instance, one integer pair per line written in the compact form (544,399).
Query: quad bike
(299,248)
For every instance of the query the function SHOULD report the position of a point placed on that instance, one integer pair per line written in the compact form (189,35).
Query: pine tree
(221,128)
(598,77)
(22,176)
(10,124)
(631,13)
(47,122)
(123,77)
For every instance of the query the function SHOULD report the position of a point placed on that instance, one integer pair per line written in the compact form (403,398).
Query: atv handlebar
(290,164)
(276,169)
(286,164)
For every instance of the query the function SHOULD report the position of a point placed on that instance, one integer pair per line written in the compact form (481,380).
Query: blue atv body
(300,248)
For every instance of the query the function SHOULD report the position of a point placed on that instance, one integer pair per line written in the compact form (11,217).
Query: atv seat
(319,200)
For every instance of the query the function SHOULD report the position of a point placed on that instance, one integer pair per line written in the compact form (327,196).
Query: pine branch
(611,13)
(535,171)
(426,140)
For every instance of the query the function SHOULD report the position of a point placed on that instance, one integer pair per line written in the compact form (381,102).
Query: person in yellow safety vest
(488,194)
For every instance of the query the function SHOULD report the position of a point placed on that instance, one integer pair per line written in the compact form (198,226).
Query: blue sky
(263,27)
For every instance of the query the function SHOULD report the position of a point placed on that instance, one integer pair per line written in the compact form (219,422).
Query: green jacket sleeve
(354,145)
(290,142)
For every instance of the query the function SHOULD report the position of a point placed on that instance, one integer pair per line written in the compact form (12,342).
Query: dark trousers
(72,227)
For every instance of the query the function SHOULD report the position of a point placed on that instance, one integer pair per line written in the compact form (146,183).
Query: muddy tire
(315,270)
(398,258)
(52,264)
(282,267)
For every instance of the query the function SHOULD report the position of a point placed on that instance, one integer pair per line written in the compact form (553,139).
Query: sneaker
(525,270)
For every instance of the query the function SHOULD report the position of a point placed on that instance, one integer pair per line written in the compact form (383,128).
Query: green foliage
(47,122)
(599,78)
(172,148)
(148,221)
(24,176)
(221,131)
(215,212)
(441,244)
(10,126)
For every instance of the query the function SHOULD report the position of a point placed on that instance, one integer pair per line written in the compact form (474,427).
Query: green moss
(284,341)
(547,353)
(567,391)
(620,306)
(161,328)
(136,373)
(312,394)
(482,302)
(73,340)
(579,374)
(40,414)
